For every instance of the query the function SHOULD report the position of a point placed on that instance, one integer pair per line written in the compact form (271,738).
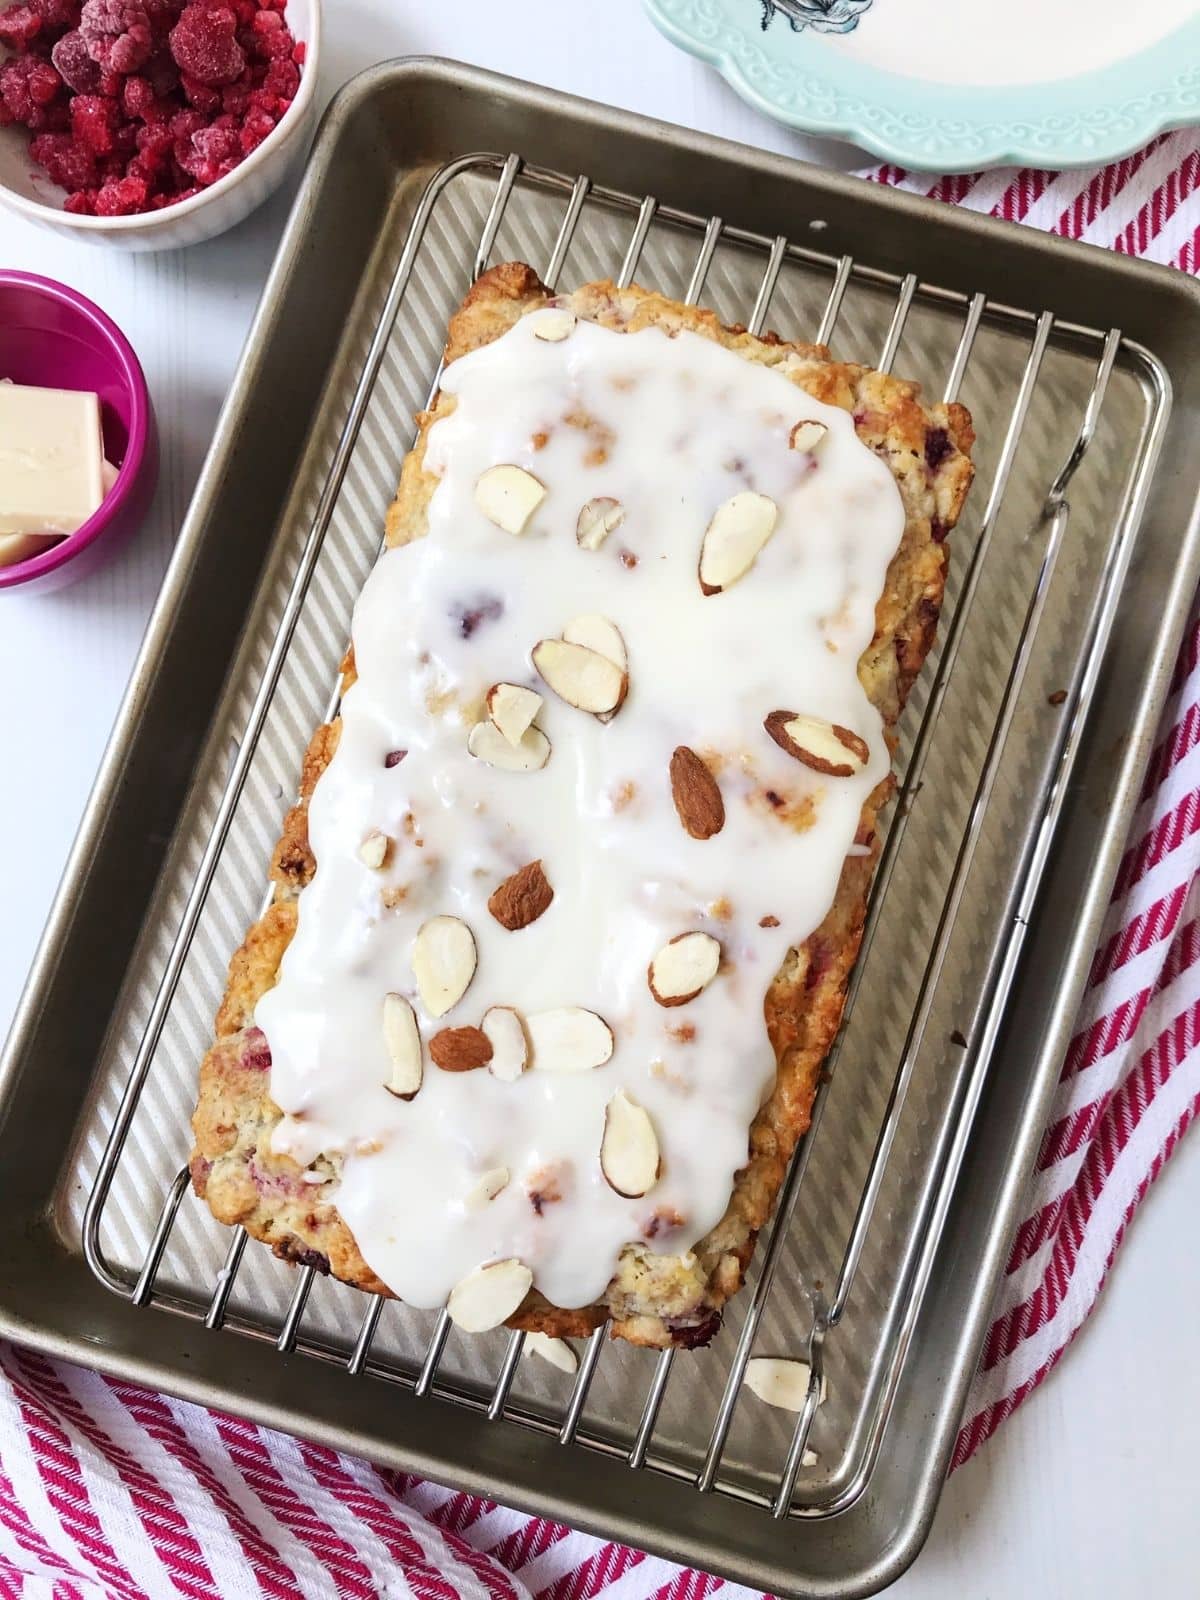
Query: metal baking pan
(1022,751)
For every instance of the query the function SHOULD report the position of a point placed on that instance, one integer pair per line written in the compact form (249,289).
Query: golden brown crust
(657,1300)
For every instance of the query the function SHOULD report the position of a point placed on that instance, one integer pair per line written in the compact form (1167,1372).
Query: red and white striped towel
(108,1492)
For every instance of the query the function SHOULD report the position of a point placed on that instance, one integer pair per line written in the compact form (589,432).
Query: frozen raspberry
(257,126)
(56,15)
(121,198)
(67,163)
(201,95)
(203,42)
(94,121)
(162,73)
(235,97)
(80,204)
(213,153)
(299,53)
(19,26)
(282,79)
(28,90)
(117,33)
(75,66)
(274,46)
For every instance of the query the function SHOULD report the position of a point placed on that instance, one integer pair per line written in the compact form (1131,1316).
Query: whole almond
(824,746)
(696,795)
(521,898)
(460,1049)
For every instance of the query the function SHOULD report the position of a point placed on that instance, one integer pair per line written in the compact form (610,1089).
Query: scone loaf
(565,914)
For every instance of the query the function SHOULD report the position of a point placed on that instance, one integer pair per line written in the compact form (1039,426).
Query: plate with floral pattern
(956,85)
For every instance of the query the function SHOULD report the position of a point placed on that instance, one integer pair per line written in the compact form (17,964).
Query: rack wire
(576,193)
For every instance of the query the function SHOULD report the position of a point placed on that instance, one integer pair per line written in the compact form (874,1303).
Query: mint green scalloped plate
(1072,122)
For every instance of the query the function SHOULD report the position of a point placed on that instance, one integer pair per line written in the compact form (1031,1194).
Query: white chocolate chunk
(780,1383)
(683,967)
(443,960)
(512,708)
(508,496)
(629,1154)
(556,1351)
(486,743)
(738,531)
(568,1039)
(488,1296)
(510,1049)
(403,1040)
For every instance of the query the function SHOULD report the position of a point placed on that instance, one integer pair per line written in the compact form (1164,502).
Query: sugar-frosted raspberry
(203,42)
(123,197)
(67,163)
(117,34)
(282,79)
(19,26)
(257,126)
(94,121)
(201,95)
(74,65)
(29,87)
(57,15)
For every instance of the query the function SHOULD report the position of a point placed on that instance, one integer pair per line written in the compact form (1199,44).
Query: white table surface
(1092,1488)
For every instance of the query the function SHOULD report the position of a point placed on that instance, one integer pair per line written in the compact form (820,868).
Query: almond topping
(521,898)
(510,1048)
(508,496)
(569,1039)
(823,746)
(733,539)
(488,1296)
(780,1383)
(373,851)
(604,637)
(582,677)
(683,967)
(460,1049)
(403,1040)
(488,1187)
(486,743)
(696,794)
(556,1351)
(808,436)
(553,325)
(597,520)
(629,1156)
(512,708)
(443,963)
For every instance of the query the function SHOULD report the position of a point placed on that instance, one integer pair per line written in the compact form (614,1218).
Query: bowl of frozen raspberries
(152,123)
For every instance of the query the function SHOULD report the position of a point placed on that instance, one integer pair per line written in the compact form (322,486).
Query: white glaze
(691,424)
(1019,42)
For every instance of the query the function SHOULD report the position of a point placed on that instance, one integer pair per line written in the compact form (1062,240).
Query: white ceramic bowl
(25,188)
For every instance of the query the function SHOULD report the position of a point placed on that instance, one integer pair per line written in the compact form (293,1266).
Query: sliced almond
(373,851)
(568,1039)
(629,1155)
(553,325)
(823,746)
(512,708)
(521,898)
(583,678)
(556,1351)
(486,1190)
(604,637)
(488,1296)
(510,1048)
(781,1383)
(808,436)
(738,531)
(696,794)
(597,520)
(486,743)
(443,963)
(508,496)
(683,967)
(403,1040)
(460,1049)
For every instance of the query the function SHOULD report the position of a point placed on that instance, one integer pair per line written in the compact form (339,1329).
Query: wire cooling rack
(1069,416)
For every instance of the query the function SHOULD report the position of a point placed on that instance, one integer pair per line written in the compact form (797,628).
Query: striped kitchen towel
(108,1492)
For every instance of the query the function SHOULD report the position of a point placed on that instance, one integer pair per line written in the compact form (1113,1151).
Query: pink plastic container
(56,339)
